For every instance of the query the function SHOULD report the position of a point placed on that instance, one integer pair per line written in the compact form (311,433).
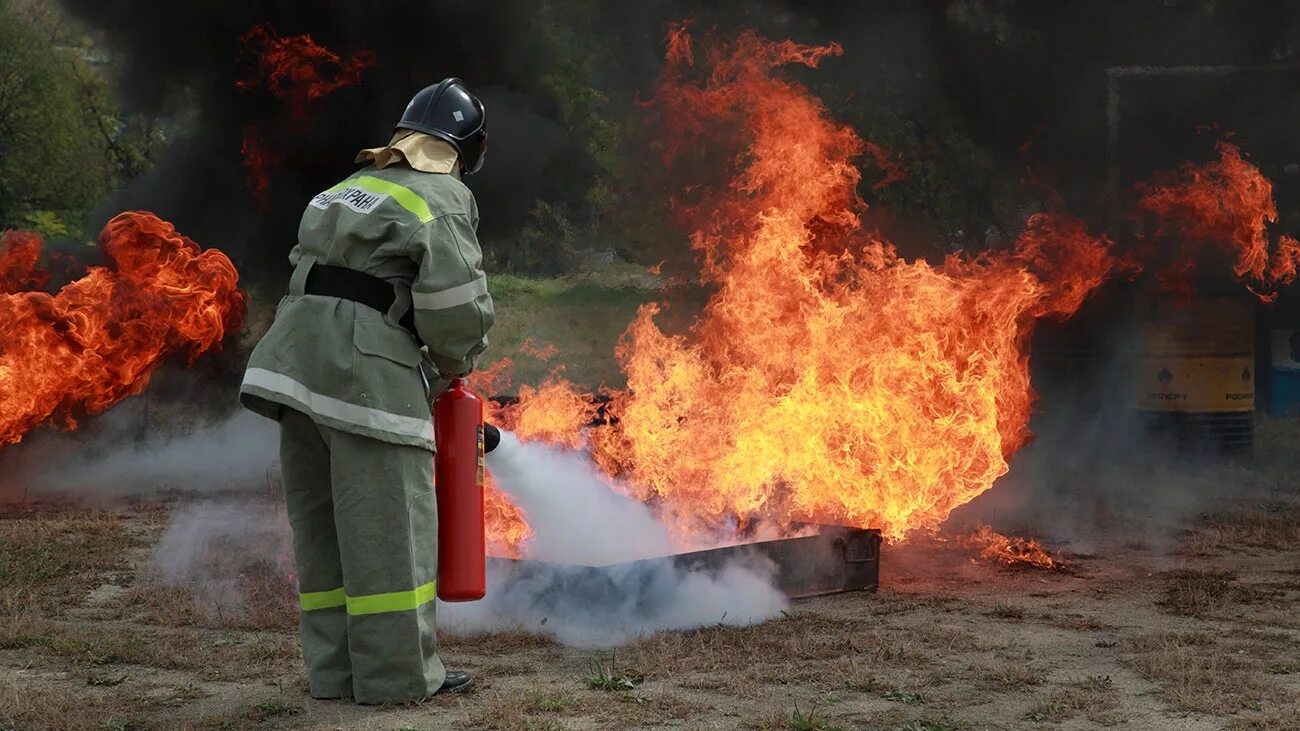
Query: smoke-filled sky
(1006,72)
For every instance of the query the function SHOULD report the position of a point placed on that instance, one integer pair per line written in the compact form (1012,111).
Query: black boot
(456,682)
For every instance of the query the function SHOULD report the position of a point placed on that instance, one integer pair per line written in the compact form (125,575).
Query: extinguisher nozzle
(491,438)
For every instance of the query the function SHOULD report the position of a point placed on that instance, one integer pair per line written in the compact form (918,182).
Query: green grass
(902,696)
(607,676)
(810,721)
(545,703)
(582,316)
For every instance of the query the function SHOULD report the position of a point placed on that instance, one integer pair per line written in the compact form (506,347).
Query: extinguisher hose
(491,438)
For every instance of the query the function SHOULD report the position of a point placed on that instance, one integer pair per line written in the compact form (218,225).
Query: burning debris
(76,353)
(1009,550)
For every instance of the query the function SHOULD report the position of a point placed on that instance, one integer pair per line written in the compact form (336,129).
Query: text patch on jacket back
(358,199)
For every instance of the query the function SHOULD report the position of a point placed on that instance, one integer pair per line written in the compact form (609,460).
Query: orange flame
(1009,550)
(299,71)
(258,160)
(19,252)
(540,352)
(78,352)
(1223,205)
(828,379)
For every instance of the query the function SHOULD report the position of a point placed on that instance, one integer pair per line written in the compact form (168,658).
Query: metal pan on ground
(835,559)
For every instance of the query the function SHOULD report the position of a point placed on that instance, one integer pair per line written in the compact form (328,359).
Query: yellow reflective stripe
(393,601)
(404,196)
(313,600)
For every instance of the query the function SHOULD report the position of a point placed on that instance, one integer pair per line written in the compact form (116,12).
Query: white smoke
(587,587)
(211,545)
(236,454)
(578,515)
(599,570)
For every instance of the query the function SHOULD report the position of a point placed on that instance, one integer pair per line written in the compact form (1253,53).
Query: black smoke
(174,57)
(1015,82)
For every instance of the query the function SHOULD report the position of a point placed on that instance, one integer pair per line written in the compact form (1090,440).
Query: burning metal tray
(836,559)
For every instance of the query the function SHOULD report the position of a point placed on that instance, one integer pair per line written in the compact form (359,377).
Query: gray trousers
(365,542)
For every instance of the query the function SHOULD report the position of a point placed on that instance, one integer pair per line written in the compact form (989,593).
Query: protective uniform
(344,380)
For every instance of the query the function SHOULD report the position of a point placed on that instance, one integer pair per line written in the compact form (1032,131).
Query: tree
(61,141)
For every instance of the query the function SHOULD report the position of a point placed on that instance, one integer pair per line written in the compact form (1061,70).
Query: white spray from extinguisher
(579,516)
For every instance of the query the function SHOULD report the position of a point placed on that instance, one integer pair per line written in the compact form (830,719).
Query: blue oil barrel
(1284,396)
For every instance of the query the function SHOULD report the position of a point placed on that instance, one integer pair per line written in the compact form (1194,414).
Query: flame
(829,379)
(507,528)
(78,352)
(298,71)
(1224,205)
(540,352)
(258,160)
(1009,550)
(19,252)
(891,168)
(555,412)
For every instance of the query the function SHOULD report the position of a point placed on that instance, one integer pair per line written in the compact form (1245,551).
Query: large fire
(96,341)
(828,379)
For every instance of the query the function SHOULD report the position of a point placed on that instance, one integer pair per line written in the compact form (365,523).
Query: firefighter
(387,295)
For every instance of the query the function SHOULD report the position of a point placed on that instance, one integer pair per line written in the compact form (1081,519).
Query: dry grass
(1218,593)
(501,643)
(51,557)
(551,707)
(784,648)
(259,598)
(1282,718)
(1006,611)
(1094,696)
(1199,592)
(1075,622)
(1271,526)
(229,656)
(1197,673)
(29,707)
(1003,675)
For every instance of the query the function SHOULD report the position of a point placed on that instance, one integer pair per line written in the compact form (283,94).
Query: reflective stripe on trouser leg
(386,514)
(304,463)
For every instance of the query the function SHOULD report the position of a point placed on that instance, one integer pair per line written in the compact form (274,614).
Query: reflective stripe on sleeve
(394,601)
(313,600)
(332,408)
(446,299)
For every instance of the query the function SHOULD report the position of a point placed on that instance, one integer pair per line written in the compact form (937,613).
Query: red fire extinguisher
(458,480)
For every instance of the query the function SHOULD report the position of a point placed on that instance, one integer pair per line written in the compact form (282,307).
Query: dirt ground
(1201,634)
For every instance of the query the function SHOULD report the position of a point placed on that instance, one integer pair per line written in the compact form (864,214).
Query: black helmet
(447,110)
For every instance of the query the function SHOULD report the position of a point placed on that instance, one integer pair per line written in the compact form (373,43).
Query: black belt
(362,288)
